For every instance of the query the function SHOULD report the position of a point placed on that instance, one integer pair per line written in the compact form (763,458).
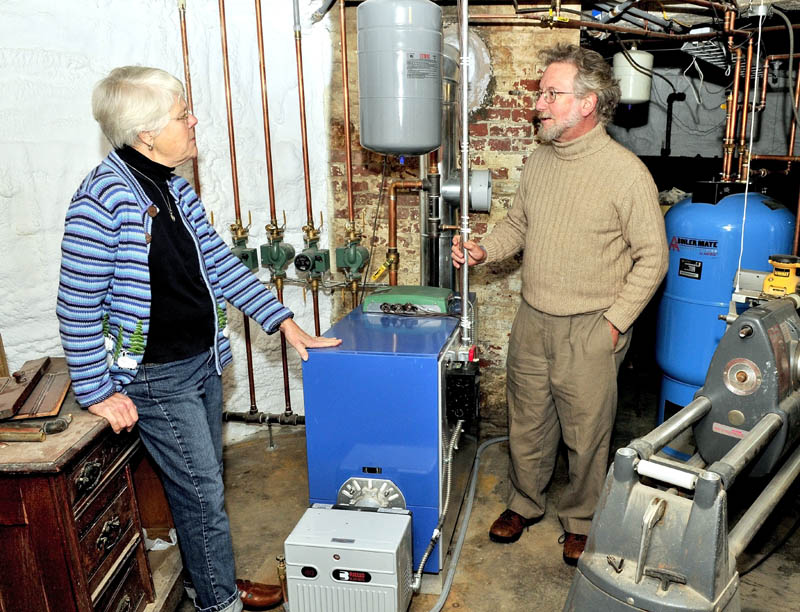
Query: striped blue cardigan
(104,287)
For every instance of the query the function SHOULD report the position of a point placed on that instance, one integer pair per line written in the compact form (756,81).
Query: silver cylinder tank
(400,75)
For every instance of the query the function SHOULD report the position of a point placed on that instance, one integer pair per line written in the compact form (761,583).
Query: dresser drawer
(125,593)
(105,528)
(90,473)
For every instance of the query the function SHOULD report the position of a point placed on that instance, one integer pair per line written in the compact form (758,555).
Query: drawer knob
(124,605)
(109,535)
(89,476)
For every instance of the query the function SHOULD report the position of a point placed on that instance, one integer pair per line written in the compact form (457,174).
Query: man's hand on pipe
(475,252)
(300,340)
(119,410)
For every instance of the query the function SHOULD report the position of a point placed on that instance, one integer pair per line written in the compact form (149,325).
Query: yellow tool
(784,277)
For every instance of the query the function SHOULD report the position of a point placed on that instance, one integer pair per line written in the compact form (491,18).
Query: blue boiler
(704,243)
(374,410)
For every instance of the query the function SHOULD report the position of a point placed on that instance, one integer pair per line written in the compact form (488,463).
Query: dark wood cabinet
(70,530)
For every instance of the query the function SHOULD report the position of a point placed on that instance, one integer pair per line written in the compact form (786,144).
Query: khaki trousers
(561,383)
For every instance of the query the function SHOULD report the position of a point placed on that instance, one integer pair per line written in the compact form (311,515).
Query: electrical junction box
(408,299)
(349,560)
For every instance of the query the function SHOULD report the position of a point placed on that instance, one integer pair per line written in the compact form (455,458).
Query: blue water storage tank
(704,244)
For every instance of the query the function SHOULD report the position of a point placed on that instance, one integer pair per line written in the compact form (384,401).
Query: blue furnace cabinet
(374,409)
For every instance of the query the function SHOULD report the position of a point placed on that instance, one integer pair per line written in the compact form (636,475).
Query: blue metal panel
(373,402)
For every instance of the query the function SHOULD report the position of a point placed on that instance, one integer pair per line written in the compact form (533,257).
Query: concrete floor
(267,494)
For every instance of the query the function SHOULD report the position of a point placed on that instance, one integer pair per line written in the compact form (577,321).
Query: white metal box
(346,560)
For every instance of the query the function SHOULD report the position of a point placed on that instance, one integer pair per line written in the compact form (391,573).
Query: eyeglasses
(184,117)
(549,95)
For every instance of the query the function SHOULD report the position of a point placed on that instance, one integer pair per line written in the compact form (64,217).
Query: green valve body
(277,255)
(248,256)
(352,259)
(313,260)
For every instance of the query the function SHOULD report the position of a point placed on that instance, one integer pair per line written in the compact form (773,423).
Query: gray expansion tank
(400,75)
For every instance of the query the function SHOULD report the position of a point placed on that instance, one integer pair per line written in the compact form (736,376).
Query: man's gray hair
(594,75)
(133,99)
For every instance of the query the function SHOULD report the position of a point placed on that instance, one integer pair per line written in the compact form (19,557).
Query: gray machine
(659,540)
(357,560)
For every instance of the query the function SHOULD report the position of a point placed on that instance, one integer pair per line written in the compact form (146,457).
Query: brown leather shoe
(574,543)
(258,596)
(509,526)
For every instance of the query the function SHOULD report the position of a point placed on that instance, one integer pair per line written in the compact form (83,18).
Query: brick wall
(501,135)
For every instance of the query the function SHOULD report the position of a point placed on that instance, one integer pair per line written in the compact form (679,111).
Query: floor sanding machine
(660,539)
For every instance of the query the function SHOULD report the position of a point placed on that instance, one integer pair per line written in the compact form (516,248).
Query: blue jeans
(180,424)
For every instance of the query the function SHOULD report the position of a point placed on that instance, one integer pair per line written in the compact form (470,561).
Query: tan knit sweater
(586,214)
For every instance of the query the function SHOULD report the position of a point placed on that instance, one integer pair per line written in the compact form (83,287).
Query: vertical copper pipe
(315,301)
(793,130)
(392,238)
(730,128)
(228,106)
(727,149)
(265,111)
(271,186)
(188,79)
(762,103)
(745,104)
(234,176)
(346,92)
(298,47)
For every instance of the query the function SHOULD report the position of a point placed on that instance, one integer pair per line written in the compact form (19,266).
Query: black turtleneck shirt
(182,312)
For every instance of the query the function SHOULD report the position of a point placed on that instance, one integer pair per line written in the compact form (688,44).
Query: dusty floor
(267,493)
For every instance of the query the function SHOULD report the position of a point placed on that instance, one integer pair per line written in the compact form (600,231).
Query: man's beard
(554,130)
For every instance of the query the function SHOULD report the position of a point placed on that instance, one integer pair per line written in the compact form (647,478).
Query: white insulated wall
(52,54)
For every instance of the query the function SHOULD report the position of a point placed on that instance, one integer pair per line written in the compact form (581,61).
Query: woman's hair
(133,99)
(594,75)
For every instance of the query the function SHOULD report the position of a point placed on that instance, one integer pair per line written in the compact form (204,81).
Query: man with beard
(587,219)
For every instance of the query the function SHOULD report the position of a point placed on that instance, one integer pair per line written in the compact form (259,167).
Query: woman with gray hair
(142,309)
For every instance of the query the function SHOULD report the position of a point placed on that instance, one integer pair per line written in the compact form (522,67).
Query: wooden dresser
(70,529)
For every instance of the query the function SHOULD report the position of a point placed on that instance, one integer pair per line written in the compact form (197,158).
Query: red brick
(499,144)
(478,129)
(498,113)
(499,173)
(519,115)
(528,84)
(504,101)
(478,144)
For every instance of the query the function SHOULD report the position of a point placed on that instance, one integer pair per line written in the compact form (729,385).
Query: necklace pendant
(171,216)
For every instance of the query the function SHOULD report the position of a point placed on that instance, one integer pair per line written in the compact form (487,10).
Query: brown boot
(574,543)
(258,596)
(509,526)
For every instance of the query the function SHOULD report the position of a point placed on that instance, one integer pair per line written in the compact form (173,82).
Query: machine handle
(665,473)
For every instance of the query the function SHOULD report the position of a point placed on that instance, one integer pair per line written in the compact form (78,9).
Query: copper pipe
(433,162)
(188,79)
(234,177)
(391,247)
(788,158)
(730,128)
(265,111)
(346,93)
(726,141)
(591,25)
(793,130)
(315,299)
(271,186)
(762,103)
(745,102)
(228,105)
(298,47)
